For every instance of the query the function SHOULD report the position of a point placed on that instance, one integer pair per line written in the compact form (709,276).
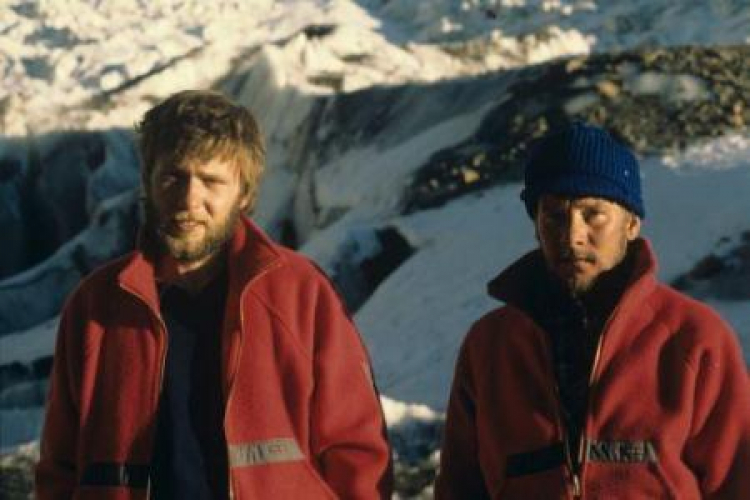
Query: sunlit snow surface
(435,296)
(62,61)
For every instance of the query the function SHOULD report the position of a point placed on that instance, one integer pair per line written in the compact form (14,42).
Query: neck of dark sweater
(600,301)
(575,325)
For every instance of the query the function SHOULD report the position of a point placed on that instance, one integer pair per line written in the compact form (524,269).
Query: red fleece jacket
(668,413)
(302,416)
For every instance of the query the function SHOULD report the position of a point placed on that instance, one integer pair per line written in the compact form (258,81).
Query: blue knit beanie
(583,160)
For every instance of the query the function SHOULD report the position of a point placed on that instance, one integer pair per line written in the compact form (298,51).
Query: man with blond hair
(209,363)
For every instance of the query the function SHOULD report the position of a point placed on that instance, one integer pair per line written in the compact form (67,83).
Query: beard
(183,247)
(578,285)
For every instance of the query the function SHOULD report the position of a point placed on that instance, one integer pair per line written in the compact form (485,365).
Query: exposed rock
(724,275)
(608,89)
(416,446)
(655,100)
(319,30)
(16,473)
(368,259)
(414,480)
(16,479)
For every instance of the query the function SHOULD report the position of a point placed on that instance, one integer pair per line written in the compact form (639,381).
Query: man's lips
(186,224)
(183,225)
(576,262)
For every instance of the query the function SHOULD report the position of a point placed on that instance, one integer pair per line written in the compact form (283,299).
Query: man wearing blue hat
(594,380)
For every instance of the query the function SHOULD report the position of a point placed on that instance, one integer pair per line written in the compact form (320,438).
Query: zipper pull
(576,486)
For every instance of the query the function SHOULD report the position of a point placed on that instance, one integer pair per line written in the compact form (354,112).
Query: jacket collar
(250,253)
(521,282)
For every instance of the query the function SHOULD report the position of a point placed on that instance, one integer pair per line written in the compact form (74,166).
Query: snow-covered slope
(91,64)
(435,296)
(605,26)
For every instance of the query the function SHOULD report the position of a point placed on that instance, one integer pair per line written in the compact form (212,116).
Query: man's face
(581,238)
(193,206)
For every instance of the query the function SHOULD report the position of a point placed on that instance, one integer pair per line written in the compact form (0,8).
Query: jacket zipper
(576,482)
(577,476)
(160,380)
(592,377)
(235,356)
(577,468)
(162,363)
(580,465)
(574,474)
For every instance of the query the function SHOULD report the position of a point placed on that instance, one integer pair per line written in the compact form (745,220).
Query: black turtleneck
(575,325)
(190,454)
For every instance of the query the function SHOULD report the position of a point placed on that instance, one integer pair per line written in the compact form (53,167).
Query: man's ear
(634,227)
(245,200)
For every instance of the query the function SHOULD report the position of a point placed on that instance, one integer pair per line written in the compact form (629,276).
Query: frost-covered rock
(16,472)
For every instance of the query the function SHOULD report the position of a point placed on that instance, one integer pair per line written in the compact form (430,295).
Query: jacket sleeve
(349,435)
(460,475)
(718,449)
(56,475)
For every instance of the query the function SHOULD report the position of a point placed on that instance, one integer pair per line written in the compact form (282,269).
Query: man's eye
(168,180)
(595,215)
(554,216)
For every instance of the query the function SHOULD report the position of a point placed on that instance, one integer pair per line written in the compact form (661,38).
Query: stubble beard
(578,287)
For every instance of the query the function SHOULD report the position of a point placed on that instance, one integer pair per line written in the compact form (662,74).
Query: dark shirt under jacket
(574,325)
(190,453)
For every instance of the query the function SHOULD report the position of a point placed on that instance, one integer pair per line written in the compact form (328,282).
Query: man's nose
(191,194)
(575,234)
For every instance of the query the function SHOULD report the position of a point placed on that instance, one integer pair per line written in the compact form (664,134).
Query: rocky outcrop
(358,273)
(722,275)
(656,100)
(16,473)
